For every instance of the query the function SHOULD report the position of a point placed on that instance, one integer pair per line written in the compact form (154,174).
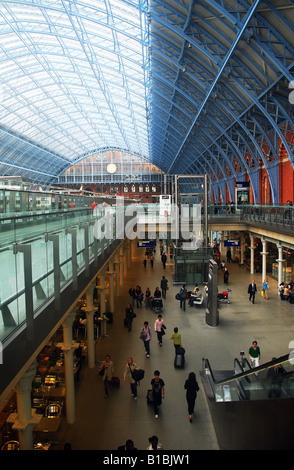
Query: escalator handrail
(205,362)
(253,370)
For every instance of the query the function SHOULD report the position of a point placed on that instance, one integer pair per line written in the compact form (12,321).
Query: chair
(39,404)
(50,381)
(53,410)
(10,445)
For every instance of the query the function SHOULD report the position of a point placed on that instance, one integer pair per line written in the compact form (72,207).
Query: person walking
(106,370)
(146,337)
(254,354)
(130,315)
(129,368)
(157,391)
(191,386)
(226,275)
(183,296)
(163,286)
(154,444)
(151,260)
(132,291)
(159,328)
(252,289)
(176,338)
(265,288)
(163,259)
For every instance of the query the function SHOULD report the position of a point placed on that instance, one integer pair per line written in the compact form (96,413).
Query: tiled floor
(105,424)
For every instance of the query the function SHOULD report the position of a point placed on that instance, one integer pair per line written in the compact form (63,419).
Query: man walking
(183,296)
(163,286)
(252,289)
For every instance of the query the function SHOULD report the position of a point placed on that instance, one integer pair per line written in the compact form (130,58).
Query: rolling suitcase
(179,362)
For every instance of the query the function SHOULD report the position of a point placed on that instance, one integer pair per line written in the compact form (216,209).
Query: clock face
(111,168)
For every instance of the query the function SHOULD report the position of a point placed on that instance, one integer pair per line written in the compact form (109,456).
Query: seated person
(196,294)
(286,292)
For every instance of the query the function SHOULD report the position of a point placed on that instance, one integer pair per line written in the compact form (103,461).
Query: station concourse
(107,423)
(160,104)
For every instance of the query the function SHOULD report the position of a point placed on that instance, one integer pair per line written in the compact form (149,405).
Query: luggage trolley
(223,297)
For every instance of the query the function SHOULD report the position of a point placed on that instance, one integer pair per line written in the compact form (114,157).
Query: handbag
(101,372)
(143,336)
(178,297)
(162,331)
(262,293)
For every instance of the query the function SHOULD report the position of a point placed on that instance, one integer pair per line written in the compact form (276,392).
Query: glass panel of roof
(73,75)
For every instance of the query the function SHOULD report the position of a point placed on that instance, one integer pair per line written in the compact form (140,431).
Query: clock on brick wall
(111,168)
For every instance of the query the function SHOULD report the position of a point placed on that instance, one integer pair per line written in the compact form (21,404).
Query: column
(280,261)
(90,327)
(68,347)
(252,248)
(264,253)
(111,274)
(121,258)
(221,246)
(26,418)
(242,249)
(117,269)
(129,242)
(102,289)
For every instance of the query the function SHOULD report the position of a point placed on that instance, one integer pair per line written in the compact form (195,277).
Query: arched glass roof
(193,86)
(73,79)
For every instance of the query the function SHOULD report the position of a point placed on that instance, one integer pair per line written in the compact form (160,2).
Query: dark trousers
(183,304)
(252,296)
(191,404)
(134,389)
(159,336)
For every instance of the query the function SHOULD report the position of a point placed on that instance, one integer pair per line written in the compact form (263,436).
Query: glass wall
(94,168)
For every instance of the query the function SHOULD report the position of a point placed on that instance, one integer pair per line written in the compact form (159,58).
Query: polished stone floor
(105,424)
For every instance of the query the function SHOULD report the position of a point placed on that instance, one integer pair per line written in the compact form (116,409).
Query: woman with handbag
(128,375)
(159,328)
(145,335)
(106,370)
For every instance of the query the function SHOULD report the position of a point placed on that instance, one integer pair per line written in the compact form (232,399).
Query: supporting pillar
(90,327)
(242,246)
(121,258)
(280,261)
(68,347)
(252,248)
(111,274)
(102,289)
(26,418)
(117,268)
(264,253)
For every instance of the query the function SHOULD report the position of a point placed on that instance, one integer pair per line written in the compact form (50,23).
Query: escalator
(252,408)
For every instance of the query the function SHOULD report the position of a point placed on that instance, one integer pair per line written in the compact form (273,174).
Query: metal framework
(195,87)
